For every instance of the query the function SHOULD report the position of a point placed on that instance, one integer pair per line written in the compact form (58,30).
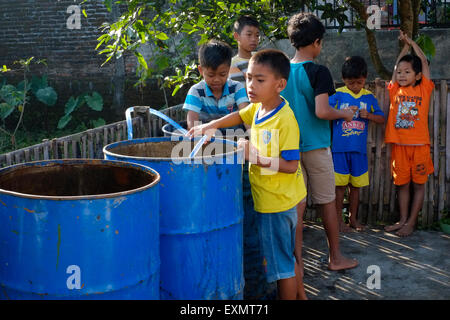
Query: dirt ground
(415,267)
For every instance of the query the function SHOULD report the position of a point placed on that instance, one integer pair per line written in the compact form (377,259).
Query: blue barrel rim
(55,162)
(106,148)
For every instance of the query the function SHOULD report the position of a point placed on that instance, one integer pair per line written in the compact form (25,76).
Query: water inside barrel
(74,179)
(171,149)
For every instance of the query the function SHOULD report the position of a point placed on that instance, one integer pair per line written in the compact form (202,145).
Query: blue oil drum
(201,242)
(79,229)
(256,285)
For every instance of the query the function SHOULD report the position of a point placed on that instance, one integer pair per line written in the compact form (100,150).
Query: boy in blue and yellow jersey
(275,173)
(349,146)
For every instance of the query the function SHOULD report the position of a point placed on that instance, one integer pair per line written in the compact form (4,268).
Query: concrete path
(415,267)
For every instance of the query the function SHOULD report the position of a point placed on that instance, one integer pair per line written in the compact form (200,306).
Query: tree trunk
(405,11)
(416,11)
(371,40)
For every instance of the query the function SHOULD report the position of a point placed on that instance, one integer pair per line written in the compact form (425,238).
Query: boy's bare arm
(276,164)
(326,112)
(232,119)
(370,116)
(421,55)
(192,117)
(402,53)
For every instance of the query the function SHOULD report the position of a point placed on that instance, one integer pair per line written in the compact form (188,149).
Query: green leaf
(38,83)
(97,123)
(162,36)
(5,110)
(95,102)
(141,60)
(64,121)
(162,62)
(11,95)
(427,46)
(47,96)
(71,105)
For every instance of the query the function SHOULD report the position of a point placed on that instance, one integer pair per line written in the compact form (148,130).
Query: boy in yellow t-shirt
(275,173)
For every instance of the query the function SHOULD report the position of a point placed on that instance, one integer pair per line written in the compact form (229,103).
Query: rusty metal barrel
(201,243)
(79,229)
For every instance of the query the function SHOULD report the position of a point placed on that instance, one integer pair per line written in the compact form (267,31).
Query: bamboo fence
(378,203)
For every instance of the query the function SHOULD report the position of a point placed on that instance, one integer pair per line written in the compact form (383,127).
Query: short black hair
(415,62)
(354,67)
(304,28)
(214,53)
(276,60)
(243,21)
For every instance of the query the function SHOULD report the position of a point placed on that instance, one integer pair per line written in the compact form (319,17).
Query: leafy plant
(94,102)
(427,46)
(170,27)
(445,219)
(14,98)
(169,30)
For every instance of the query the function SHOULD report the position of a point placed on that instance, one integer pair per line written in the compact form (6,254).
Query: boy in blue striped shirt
(216,95)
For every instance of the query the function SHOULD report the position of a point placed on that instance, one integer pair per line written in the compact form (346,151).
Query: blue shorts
(351,167)
(277,240)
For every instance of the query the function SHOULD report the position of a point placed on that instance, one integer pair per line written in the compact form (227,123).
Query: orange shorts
(411,162)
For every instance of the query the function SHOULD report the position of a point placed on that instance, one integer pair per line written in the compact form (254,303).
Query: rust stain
(82,286)
(58,245)
(107,226)
(3,203)
(28,210)
(117,231)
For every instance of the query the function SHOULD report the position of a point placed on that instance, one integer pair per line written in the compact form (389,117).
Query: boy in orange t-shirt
(407,129)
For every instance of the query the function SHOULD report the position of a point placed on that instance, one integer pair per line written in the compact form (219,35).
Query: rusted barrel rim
(169,139)
(49,163)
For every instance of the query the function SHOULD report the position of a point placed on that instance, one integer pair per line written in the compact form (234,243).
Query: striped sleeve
(192,101)
(241,94)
